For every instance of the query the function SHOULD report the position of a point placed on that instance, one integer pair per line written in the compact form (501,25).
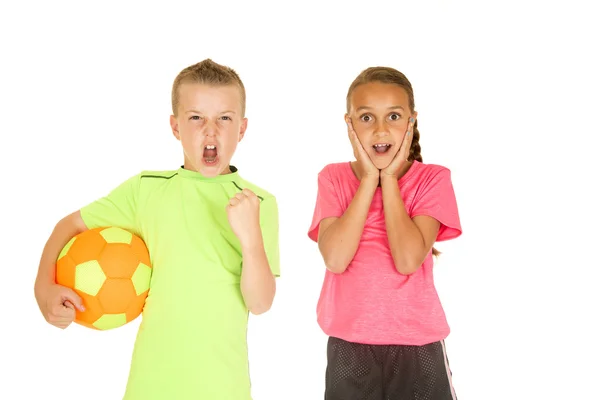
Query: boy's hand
(402,155)
(368,168)
(58,303)
(243,215)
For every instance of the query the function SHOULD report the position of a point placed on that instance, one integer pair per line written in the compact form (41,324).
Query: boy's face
(209,125)
(380,114)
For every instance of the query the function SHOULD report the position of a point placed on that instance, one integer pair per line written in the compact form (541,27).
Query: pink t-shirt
(371,302)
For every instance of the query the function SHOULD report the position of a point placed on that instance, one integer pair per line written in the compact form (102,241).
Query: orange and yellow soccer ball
(110,269)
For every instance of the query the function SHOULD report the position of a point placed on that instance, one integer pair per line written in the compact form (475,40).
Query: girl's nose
(381,129)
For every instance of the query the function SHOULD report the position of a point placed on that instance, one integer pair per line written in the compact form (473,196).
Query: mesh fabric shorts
(387,372)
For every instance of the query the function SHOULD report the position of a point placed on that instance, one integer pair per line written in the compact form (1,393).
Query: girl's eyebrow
(369,108)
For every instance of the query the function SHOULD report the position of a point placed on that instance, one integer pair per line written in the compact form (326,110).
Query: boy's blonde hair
(207,72)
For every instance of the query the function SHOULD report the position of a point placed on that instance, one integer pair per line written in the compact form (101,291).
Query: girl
(376,220)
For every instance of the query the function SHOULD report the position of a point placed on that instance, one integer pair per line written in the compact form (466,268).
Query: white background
(507,95)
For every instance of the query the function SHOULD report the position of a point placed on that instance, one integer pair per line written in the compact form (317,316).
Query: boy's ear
(174,127)
(243,127)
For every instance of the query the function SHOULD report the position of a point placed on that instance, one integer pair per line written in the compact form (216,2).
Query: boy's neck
(229,170)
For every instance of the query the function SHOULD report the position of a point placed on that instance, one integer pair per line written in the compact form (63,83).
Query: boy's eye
(195,117)
(365,118)
(227,118)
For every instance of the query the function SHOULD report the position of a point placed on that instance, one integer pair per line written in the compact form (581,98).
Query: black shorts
(377,372)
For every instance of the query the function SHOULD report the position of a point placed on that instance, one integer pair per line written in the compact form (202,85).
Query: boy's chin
(212,169)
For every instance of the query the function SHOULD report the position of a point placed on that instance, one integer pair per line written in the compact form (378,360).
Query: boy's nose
(210,129)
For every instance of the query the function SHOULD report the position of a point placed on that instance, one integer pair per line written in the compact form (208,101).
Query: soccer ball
(110,269)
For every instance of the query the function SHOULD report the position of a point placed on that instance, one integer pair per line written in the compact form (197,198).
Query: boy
(214,248)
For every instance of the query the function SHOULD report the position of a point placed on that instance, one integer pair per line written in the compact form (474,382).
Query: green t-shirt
(192,339)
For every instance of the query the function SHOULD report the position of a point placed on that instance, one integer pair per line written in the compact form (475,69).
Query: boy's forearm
(339,242)
(64,230)
(257,282)
(404,237)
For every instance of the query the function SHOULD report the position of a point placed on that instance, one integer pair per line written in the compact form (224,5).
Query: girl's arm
(339,237)
(410,239)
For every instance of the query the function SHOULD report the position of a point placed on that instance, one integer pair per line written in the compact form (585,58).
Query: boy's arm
(257,282)
(410,240)
(118,208)
(339,237)
(56,302)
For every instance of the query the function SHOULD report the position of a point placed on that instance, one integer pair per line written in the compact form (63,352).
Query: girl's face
(380,114)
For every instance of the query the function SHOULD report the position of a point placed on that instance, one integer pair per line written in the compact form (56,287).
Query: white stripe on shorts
(448,370)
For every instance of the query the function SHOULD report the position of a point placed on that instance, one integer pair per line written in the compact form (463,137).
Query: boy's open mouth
(210,154)
(381,148)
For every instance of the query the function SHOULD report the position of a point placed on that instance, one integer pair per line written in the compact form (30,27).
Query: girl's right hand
(368,169)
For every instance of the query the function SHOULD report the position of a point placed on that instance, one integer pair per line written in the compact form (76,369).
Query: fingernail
(412,120)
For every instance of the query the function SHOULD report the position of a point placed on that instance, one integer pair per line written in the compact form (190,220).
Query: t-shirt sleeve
(119,208)
(327,204)
(438,201)
(269,224)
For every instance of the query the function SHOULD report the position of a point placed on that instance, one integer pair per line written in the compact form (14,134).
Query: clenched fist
(244,218)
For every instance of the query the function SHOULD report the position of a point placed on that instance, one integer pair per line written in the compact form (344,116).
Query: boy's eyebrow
(369,108)
(222,112)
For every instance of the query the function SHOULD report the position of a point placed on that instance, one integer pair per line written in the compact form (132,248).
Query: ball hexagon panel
(141,278)
(118,261)
(87,246)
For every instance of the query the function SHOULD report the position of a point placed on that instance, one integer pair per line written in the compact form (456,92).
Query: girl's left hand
(402,155)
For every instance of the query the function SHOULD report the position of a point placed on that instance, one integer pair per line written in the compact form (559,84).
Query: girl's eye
(395,117)
(365,118)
